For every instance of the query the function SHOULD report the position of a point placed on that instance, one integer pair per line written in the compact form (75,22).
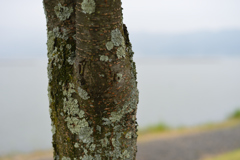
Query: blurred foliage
(235,155)
(160,127)
(235,114)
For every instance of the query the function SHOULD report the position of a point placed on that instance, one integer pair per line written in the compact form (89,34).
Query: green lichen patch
(88,6)
(128,135)
(75,117)
(63,12)
(104,58)
(121,52)
(50,42)
(85,135)
(109,45)
(116,37)
(75,125)
(63,34)
(83,94)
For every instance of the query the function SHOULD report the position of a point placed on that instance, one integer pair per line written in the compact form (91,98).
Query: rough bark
(92,89)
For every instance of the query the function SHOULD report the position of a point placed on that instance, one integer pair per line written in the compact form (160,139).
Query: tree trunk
(92,89)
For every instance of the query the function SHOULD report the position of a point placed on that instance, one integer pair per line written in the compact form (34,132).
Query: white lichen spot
(116,37)
(66,158)
(63,12)
(128,135)
(121,52)
(103,58)
(61,114)
(68,46)
(70,61)
(92,147)
(109,45)
(83,94)
(119,77)
(88,6)
(101,75)
(76,145)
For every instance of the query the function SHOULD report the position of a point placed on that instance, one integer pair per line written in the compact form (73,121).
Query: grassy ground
(163,131)
(235,155)
(155,132)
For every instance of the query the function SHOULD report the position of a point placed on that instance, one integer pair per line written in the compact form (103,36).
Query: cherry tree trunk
(92,89)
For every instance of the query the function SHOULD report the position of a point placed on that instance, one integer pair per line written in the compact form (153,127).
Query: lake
(176,91)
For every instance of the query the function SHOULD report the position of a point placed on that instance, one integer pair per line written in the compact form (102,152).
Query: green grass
(235,114)
(234,155)
(160,127)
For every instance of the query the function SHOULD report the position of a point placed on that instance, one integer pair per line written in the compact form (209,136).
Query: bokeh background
(188,62)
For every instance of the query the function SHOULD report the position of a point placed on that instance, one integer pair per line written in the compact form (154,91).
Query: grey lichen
(119,77)
(97,157)
(75,117)
(70,60)
(92,147)
(98,128)
(121,52)
(103,58)
(85,135)
(127,108)
(75,125)
(109,45)
(50,42)
(88,6)
(104,142)
(128,135)
(83,94)
(50,98)
(115,116)
(63,34)
(66,158)
(63,12)
(87,157)
(116,37)
(125,155)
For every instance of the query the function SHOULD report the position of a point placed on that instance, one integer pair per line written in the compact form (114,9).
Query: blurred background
(188,62)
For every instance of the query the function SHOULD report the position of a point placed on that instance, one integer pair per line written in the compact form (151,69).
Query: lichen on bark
(93,92)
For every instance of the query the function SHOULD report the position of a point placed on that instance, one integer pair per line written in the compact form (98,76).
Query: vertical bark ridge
(92,81)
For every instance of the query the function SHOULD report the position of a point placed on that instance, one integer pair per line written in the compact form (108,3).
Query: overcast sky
(23,24)
(162,16)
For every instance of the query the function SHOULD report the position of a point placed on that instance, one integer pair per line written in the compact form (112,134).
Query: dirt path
(186,147)
(191,147)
